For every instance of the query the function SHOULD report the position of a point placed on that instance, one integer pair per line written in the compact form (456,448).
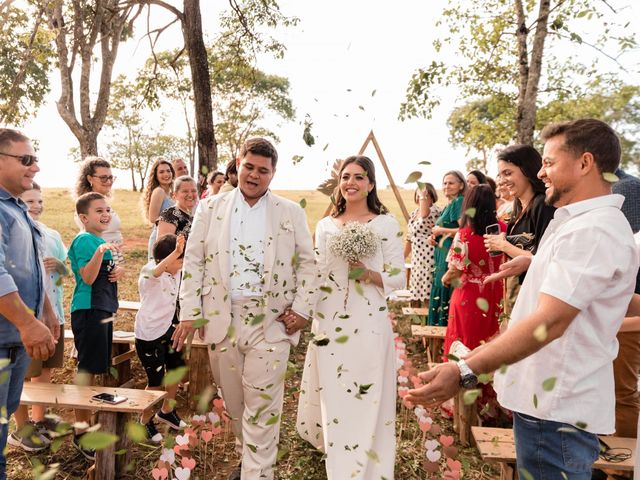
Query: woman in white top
(95,176)
(347,405)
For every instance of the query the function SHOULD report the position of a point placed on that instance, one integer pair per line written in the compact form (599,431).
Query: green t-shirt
(80,252)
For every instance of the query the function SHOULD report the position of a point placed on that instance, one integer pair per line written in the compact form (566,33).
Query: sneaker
(28,439)
(88,453)
(172,419)
(52,426)
(153,434)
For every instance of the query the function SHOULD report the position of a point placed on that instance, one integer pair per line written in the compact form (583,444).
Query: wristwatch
(468,379)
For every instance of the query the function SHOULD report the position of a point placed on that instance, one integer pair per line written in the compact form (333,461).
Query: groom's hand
(292,321)
(182,332)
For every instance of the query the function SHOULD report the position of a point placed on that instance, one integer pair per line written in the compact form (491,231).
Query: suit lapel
(224,244)
(274,213)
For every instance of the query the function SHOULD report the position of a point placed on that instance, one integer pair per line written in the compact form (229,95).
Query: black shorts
(93,338)
(158,357)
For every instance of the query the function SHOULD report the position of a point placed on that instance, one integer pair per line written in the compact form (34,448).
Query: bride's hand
(363,270)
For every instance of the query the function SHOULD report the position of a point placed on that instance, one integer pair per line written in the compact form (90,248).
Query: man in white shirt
(250,278)
(556,356)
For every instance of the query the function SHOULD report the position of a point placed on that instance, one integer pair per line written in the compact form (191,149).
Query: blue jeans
(548,449)
(11,380)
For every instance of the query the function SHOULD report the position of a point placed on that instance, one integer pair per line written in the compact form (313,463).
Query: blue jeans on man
(547,449)
(14,362)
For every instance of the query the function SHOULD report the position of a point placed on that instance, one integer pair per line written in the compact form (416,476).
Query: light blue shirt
(21,247)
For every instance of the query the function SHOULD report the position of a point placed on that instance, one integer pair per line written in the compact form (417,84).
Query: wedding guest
(231,174)
(518,166)
(177,218)
(474,309)
(359,355)
(417,245)
(239,275)
(453,187)
(95,176)
(157,196)
(626,366)
(215,180)
(40,427)
(555,356)
(505,205)
(180,168)
(476,177)
(29,328)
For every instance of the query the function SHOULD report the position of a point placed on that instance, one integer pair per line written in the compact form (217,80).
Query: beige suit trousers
(250,373)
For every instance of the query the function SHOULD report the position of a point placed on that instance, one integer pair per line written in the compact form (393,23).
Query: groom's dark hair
(260,146)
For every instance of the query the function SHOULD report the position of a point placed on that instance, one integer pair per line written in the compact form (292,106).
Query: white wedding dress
(347,404)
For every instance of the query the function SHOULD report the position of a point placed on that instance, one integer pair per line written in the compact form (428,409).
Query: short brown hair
(588,135)
(84,201)
(8,135)
(260,146)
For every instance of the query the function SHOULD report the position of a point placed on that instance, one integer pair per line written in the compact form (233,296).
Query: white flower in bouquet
(355,242)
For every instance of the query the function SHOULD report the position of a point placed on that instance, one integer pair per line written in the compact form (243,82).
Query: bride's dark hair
(373,202)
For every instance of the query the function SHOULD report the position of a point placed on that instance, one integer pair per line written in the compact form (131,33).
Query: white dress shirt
(586,259)
(247,232)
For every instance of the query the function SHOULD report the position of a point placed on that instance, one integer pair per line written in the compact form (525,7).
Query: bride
(347,403)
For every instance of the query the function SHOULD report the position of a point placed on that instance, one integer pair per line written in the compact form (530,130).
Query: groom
(249,273)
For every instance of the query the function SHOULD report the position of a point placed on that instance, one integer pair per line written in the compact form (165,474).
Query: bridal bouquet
(354,242)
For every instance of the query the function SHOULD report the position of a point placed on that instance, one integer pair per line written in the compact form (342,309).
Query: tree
(80,28)
(26,58)
(502,50)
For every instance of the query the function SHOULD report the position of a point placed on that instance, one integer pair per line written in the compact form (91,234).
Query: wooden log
(199,375)
(464,417)
(105,461)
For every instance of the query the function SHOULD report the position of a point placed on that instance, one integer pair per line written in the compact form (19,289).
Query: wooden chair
(432,339)
(112,418)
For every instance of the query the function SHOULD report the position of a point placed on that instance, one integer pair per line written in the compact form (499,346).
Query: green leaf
(535,400)
(581,425)
(326,289)
(482,304)
(610,177)
(342,339)
(296,159)
(359,288)
(97,440)
(525,475)
(470,212)
(174,376)
(257,319)
(273,420)
(373,456)
(265,396)
(200,322)
(303,202)
(424,162)
(413,177)
(356,273)
(549,384)
(136,432)
(470,396)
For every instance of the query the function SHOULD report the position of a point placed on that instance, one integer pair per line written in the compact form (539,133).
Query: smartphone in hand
(493,229)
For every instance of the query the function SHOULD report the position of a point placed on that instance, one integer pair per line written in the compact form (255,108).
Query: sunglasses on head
(26,160)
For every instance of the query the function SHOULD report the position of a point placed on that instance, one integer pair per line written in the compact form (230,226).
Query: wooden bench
(112,418)
(497,445)
(124,350)
(432,339)
(128,306)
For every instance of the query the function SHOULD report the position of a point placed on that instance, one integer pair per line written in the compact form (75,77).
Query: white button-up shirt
(587,259)
(248,230)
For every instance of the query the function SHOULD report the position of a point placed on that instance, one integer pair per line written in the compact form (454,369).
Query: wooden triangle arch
(371,138)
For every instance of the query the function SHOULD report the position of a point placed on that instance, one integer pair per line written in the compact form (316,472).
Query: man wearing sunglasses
(23,301)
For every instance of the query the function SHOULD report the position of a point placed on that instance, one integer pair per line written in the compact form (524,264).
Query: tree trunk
(133,178)
(527,107)
(194,42)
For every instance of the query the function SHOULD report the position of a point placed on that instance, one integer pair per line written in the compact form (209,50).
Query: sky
(339,53)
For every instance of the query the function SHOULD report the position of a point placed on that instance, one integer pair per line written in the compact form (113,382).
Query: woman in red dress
(475,308)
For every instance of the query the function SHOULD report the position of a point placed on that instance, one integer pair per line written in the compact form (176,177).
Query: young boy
(155,322)
(95,298)
(34,435)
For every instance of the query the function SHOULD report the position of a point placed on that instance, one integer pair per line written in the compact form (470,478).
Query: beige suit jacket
(291,278)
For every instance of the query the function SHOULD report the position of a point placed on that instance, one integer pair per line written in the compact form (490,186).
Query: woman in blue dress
(453,187)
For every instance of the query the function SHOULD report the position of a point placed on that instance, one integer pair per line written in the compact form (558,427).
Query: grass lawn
(298,460)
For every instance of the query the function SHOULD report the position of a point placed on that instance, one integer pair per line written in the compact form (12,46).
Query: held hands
(292,321)
(495,243)
(442,383)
